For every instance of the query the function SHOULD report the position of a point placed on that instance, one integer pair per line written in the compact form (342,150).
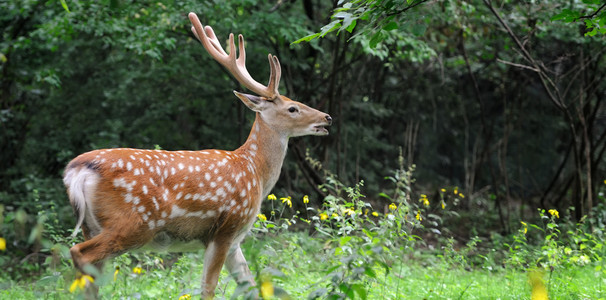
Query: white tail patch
(81,184)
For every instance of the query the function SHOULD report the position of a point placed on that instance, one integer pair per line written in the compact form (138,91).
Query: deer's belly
(166,242)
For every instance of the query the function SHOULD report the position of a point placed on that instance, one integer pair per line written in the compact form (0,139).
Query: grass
(303,265)
(354,252)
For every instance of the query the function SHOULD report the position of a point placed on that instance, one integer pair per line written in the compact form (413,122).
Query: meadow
(347,249)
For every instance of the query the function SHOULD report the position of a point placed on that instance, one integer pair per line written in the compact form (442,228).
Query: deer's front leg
(237,266)
(214,257)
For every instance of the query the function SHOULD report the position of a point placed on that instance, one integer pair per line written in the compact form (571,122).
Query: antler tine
(236,65)
(274,73)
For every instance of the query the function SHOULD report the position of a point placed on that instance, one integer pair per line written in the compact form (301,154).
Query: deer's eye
(292,109)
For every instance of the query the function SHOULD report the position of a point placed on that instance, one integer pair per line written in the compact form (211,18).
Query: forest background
(498,102)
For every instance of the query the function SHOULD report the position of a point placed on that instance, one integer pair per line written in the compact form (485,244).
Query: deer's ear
(253,102)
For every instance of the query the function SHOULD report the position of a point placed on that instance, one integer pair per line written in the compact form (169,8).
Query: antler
(236,66)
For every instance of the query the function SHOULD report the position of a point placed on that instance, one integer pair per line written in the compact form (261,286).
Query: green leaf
(360,290)
(64,4)
(390,26)
(345,288)
(307,38)
(419,29)
(376,38)
(351,26)
(567,15)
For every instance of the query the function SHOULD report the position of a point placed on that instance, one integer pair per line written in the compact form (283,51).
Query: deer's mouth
(321,129)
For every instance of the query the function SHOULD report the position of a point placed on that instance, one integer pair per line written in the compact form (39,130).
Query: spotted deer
(127,199)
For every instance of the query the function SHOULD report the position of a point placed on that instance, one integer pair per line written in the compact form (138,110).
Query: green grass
(304,263)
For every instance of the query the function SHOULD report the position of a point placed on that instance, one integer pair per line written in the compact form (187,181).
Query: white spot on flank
(164,214)
(136,172)
(152,224)
(179,195)
(175,187)
(216,171)
(213,184)
(173,171)
(144,217)
(141,208)
(207,176)
(181,166)
(155,203)
(144,189)
(253,146)
(187,196)
(132,157)
(190,168)
(243,193)
(197,168)
(161,223)
(152,181)
(121,182)
(176,211)
(200,185)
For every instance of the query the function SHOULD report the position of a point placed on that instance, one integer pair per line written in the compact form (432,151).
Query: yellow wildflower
(348,211)
(604,181)
(271,197)
(267,290)
(525,226)
(456,190)
(137,270)
(539,292)
(374,213)
(80,283)
(393,206)
(418,216)
(334,215)
(287,200)
(461,195)
(443,190)
(262,217)
(323,216)
(443,204)
(424,200)
(116,273)
(2,244)
(554,213)
(273,212)
(185,297)
(305,199)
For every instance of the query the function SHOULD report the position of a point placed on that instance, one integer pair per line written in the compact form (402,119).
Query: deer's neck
(266,148)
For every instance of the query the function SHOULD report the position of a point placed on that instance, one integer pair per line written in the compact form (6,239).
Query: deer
(176,201)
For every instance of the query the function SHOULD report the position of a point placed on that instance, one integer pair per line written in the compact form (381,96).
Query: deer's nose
(329,119)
